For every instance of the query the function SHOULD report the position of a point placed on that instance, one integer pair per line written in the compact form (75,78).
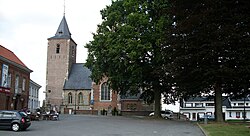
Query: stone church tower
(61,54)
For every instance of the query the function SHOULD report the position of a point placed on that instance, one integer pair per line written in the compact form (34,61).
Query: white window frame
(16,84)
(23,85)
(110,93)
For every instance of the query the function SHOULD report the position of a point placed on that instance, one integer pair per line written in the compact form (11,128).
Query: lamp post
(75,101)
(244,116)
(245,95)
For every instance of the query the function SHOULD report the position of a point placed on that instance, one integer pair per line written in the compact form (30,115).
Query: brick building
(14,81)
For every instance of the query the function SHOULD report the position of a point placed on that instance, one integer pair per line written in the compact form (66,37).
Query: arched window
(70,98)
(105,91)
(58,48)
(80,98)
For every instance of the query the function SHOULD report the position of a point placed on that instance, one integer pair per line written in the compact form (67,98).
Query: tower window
(58,48)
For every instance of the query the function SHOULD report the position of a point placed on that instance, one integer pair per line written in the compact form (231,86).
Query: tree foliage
(128,49)
(211,47)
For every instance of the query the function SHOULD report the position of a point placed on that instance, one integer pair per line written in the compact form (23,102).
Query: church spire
(63,29)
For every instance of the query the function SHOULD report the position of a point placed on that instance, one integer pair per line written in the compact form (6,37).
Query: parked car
(209,117)
(167,114)
(14,120)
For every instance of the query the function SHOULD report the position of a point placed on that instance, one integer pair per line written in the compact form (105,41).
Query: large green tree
(128,49)
(211,47)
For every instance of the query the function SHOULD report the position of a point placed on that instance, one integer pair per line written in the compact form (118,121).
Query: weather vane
(64,8)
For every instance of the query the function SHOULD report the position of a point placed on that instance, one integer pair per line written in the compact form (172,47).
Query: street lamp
(245,95)
(75,101)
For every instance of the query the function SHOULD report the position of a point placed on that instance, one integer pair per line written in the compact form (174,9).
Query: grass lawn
(226,129)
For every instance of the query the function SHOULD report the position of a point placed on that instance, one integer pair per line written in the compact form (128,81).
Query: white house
(34,102)
(199,106)
(236,111)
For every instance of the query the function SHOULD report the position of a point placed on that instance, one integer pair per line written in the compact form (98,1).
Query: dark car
(15,120)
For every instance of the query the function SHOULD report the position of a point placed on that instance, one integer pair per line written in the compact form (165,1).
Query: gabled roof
(201,98)
(79,78)
(63,30)
(240,99)
(225,100)
(9,55)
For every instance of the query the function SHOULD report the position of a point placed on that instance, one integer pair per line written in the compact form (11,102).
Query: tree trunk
(218,103)
(157,95)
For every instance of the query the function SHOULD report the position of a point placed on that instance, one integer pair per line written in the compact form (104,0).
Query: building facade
(132,105)
(233,109)
(34,102)
(104,97)
(77,90)
(239,108)
(14,81)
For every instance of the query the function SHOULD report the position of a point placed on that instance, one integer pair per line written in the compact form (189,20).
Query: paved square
(88,125)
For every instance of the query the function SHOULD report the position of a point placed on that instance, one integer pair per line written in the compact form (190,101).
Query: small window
(9,80)
(23,114)
(209,104)
(131,106)
(73,53)
(70,98)
(16,84)
(188,105)
(243,114)
(198,104)
(80,98)
(240,104)
(24,84)
(58,48)
(7,115)
(230,114)
(237,114)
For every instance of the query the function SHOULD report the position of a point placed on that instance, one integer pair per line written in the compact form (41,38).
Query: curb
(203,131)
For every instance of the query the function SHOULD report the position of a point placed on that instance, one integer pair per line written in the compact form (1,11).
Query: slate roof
(240,99)
(79,78)
(62,31)
(130,96)
(225,100)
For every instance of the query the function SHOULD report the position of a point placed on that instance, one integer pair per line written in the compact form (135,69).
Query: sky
(25,26)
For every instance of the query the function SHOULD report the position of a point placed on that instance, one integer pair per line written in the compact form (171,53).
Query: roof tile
(6,53)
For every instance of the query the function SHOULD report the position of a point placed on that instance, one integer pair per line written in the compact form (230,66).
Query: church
(69,88)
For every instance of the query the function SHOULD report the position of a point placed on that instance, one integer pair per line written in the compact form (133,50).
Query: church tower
(61,54)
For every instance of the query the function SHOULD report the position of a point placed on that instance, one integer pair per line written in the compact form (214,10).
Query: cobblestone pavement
(90,125)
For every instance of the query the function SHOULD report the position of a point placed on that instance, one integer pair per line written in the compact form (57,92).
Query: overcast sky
(25,26)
